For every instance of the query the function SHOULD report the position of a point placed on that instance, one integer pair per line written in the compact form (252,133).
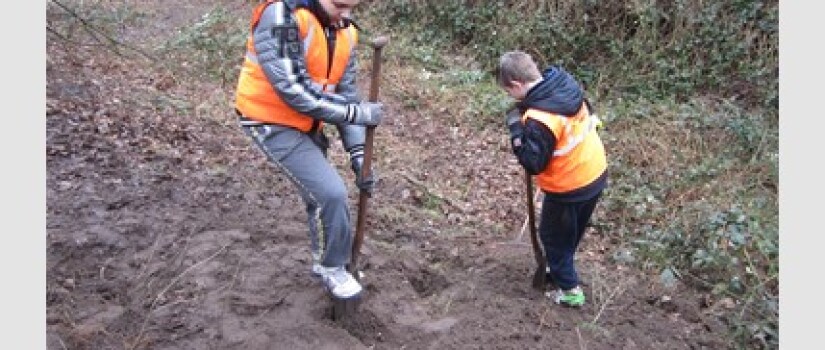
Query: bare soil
(168,230)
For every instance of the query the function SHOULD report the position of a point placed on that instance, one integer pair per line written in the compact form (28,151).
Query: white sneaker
(317,269)
(340,282)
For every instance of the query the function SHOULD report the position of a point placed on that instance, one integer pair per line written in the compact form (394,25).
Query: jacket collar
(315,7)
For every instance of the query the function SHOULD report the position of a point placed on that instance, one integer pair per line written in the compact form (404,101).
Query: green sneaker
(573,297)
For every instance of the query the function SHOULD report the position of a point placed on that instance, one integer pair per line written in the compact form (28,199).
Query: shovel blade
(343,309)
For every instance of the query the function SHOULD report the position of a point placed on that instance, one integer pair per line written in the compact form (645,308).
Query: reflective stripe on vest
(578,158)
(575,140)
(256,98)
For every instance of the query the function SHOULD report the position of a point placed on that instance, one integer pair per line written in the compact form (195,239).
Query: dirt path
(166,230)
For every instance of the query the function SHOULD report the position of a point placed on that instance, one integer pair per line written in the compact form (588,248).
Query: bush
(656,49)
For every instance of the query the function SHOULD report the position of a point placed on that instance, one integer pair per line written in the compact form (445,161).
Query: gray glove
(513,122)
(367,113)
(365,184)
(513,117)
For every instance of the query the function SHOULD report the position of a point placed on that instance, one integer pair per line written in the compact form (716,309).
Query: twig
(273,305)
(753,267)
(604,305)
(581,341)
(178,277)
(62,344)
(166,289)
(70,41)
(759,147)
(149,259)
(94,32)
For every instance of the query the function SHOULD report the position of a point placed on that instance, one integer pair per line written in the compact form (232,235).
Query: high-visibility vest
(579,157)
(255,97)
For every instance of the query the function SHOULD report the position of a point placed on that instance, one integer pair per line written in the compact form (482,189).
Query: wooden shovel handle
(363,197)
(531,218)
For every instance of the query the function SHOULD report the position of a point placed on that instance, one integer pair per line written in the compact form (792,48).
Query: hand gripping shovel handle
(377,45)
(539,276)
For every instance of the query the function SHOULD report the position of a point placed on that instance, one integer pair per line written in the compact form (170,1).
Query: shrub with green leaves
(654,49)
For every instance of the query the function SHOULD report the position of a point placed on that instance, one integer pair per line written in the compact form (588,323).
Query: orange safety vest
(255,97)
(578,158)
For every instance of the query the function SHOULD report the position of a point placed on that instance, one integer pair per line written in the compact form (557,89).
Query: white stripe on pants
(319,184)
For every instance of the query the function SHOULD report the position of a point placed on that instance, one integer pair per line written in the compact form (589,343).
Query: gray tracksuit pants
(319,184)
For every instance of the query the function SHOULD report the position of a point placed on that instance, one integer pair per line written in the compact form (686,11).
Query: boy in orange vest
(298,76)
(553,135)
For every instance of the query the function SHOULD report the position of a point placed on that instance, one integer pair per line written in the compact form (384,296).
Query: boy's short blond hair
(517,66)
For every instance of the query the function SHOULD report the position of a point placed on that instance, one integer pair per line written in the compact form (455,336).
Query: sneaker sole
(332,295)
(572,306)
(356,296)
